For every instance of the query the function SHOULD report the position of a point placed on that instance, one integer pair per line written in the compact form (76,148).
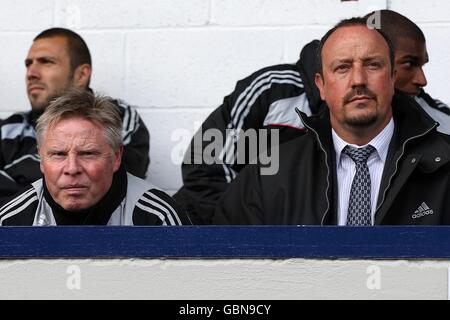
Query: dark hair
(396,26)
(356,21)
(78,50)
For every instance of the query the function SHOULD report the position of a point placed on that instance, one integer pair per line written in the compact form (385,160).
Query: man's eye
(57,155)
(342,68)
(374,65)
(88,154)
(408,64)
(45,61)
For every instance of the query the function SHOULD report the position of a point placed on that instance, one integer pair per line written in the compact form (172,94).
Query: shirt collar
(380,142)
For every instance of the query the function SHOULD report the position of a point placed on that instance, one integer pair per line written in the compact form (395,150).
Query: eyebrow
(410,56)
(414,57)
(350,60)
(41,58)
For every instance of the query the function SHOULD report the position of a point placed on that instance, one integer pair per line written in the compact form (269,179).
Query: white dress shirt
(346,170)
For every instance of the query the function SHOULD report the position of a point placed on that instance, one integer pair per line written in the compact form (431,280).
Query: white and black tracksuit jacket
(436,109)
(130,201)
(265,99)
(19,161)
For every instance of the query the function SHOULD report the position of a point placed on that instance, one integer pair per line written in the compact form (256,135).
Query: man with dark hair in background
(410,57)
(57,61)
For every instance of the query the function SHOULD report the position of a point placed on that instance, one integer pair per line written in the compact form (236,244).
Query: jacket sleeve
(20,209)
(442,106)
(136,140)
(205,179)
(156,207)
(242,202)
(8,185)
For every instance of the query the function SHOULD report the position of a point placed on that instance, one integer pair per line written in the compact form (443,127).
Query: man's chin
(38,106)
(412,93)
(361,120)
(74,206)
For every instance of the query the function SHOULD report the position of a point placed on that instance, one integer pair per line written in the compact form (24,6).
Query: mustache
(359,91)
(35,83)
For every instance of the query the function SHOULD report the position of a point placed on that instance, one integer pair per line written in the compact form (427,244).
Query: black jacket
(19,161)
(265,100)
(304,191)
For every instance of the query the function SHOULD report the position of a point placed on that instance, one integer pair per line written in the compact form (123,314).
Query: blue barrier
(226,242)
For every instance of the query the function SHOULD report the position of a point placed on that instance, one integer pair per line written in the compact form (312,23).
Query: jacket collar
(319,126)
(410,119)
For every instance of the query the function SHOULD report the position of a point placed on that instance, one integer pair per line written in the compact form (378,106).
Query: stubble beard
(41,106)
(365,119)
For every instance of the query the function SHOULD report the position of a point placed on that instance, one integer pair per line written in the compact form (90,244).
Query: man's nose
(72,166)
(32,72)
(358,76)
(419,78)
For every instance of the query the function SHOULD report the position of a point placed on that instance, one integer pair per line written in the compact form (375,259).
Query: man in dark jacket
(58,60)
(404,177)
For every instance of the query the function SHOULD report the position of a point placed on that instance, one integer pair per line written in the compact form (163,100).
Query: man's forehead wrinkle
(89,132)
(341,53)
(363,58)
(62,137)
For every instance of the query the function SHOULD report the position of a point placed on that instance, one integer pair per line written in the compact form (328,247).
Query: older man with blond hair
(84,183)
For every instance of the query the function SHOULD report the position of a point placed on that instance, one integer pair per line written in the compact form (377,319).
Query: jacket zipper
(396,164)
(328,169)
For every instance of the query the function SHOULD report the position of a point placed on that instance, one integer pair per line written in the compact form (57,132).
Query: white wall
(232,279)
(177,59)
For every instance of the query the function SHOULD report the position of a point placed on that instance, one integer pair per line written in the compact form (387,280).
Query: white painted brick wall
(176,59)
(119,14)
(222,279)
(196,64)
(20,15)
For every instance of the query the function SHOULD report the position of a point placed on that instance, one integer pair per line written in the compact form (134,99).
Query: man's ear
(394,78)
(40,162)
(319,83)
(118,158)
(82,75)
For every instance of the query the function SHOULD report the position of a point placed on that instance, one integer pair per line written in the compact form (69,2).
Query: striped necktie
(359,208)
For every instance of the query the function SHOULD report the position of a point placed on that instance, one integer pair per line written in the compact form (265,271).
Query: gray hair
(87,105)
